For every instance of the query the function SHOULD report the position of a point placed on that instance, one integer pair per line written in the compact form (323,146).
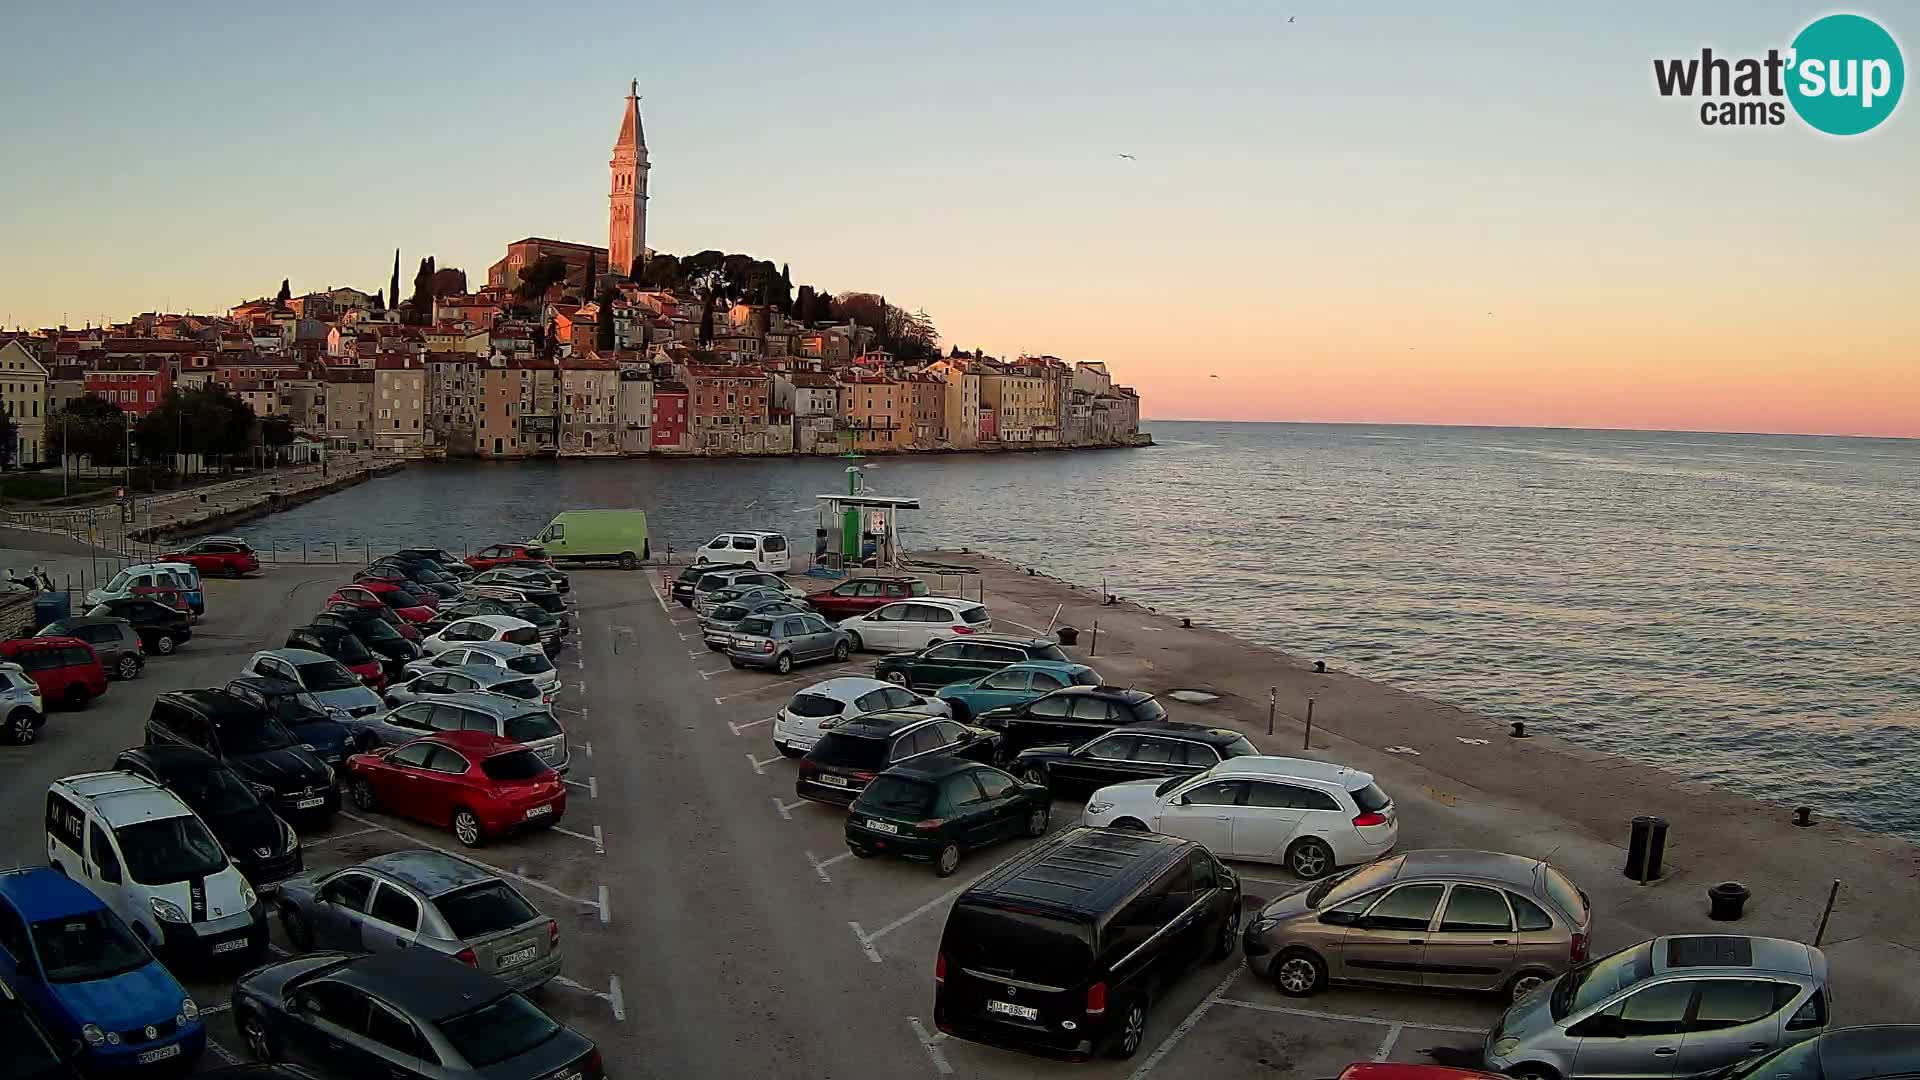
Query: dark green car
(952,661)
(938,808)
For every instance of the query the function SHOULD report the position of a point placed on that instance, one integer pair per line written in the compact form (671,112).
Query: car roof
(266,685)
(423,984)
(296,657)
(1686,951)
(506,650)
(1081,871)
(1864,1053)
(1002,639)
(879,725)
(483,743)
(434,873)
(1045,665)
(846,687)
(173,758)
(73,621)
(217,704)
(1262,765)
(41,892)
(485,674)
(321,630)
(490,703)
(123,798)
(1177,730)
(498,622)
(1517,871)
(960,602)
(55,641)
(933,767)
(1110,693)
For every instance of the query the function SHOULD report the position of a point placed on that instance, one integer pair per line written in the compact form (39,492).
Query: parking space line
(711,674)
(616,999)
(580,712)
(310,841)
(820,865)
(786,809)
(701,655)
(867,940)
(599,840)
(1034,630)
(605,906)
(866,943)
(738,728)
(1386,1044)
(503,872)
(581,686)
(931,1044)
(1173,1037)
(683,637)
(224,1054)
(594,840)
(760,767)
(1351,1018)
(215,1010)
(585,748)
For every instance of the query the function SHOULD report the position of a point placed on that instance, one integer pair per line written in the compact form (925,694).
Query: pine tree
(603,328)
(286,293)
(393,287)
(379,299)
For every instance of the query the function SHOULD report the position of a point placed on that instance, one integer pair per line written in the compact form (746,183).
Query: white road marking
(575,783)
(502,871)
(1351,1018)
(683,637)
(931,1045)
(581,686)
(760,767)
(580,712)
(1167,1044)
(711,674)
(585,748)
(616,999)
(1469,742)
(820,865)
(599,840)
(701,655)
(819,676)
(605,906)
(310,841)
(867,940)
(594,840)
(562,980)
(1386,1044)
(866,943)
(580,662)
(223,1053)
(1408,750)
(781,809)
(788,808)
(738,728)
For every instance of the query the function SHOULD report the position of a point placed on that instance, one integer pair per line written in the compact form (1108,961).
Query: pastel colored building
(23,394)
(670,417)
(730,408)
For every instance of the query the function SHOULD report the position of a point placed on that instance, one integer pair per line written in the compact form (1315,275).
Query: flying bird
(1289,18)
(1213,376)
(1129,157)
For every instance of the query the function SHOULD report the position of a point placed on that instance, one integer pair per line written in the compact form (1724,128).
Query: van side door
(104,876)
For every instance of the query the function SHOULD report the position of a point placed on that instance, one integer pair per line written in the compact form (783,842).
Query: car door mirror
(1341,918)
(1182,800)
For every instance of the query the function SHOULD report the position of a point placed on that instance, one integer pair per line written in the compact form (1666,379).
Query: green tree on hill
(540,275)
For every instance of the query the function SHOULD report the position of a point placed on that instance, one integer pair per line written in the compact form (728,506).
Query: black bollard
(1646,845)
(1803,816)
(1725,901)
(1186,624)
(1320,666)
(1519,731)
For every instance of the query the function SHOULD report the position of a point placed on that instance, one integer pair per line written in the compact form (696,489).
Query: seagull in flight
(1289,18)
(1213,376)
(1129,157)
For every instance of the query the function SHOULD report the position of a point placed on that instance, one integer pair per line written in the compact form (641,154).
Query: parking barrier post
(1832,894)
(1306,739)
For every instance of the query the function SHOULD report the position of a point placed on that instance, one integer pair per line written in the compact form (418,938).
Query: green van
(618,536)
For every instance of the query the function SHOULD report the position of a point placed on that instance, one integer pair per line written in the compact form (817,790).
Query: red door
(399,785)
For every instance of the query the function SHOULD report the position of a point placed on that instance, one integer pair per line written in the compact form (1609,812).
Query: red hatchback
(217,556)
(861,595)
(369,594)
(475,782)
(64,668)
(488,557)
(372,603)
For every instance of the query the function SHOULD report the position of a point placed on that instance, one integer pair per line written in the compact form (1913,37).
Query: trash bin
(1068,635)
(1646,845)
(50,607)
(1726,900)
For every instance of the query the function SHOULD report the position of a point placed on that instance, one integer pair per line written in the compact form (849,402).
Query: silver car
(20,697)
(520,659)
(703,590)
(526,722)
(427,900)
(327,679)
(476,678)
(1673,1006)
(781,641)
(716,629)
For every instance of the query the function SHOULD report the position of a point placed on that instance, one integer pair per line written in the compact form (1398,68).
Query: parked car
(1877,1052)
(1673,1006)
(824,705)
(64,668)
(1141,752)
(439,558)
(114,642)
(438,1009)
(1063,947)
(1311,816)
(912,625)
(544,622)
(1395,1070)
(954,661)
(408,605)
(492,555)
(847,758)
(717,628)
(31,1053)
(427,900)
(417,572)
(321,675)
(21,704)
(704,603)
(1072,716)
(525,660)
(937,808)
(323,727)
(760,550)
(779,642)
(342,645)
(367,604)
(684,582)
(252,743)
(482,628)
(145,581)
(259,841)
(861,595)
(734,595)
(530,578)
(479,785)
(218,556)
(1015,684)
(430,593)
(154,862)
(162,628)
(394,651)
(1442,919)
(189,576)
(528,723)
(79,970)
(478,678)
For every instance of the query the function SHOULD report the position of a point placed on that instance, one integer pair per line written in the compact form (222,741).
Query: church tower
(627,202)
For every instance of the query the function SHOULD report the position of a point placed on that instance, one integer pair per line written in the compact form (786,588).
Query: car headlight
(1503,1047)
(189,1010)
(1099,806)
(288,838)
(97,1037)
(1265,923)
(168,911)
(248,897)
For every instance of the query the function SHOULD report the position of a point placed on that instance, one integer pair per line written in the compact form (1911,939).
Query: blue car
(90,982)
(1015,684)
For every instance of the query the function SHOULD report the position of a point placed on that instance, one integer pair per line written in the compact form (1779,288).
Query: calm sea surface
(1742,609)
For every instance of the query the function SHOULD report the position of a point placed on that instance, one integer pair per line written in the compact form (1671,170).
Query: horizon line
(1531,427)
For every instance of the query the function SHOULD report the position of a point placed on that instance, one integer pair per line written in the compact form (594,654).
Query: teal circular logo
(1847,74)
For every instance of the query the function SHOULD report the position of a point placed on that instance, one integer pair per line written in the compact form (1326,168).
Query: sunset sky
(1409,212)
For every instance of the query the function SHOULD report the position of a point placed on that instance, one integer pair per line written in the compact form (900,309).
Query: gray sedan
(717,629)
(781,641)
(529,723)
(484,678)
(423,899)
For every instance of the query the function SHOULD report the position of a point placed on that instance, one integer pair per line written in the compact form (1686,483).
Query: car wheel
(627,561)
(260,1042)
(1533,1070)
(1131,824)
(1037,819)
(164,645)
(362,793)
(945,863)
(840,652)
(298,932)
(128,666)
(21,730)
(231,571)
(1526,982)
(1310,858)
(1229,930)
(76,697)
(783,663)
(736,664)
(1133,1030)
(1299,973)
(466,828)
(897,678)
(860,852)
(854,642)
(1035,774)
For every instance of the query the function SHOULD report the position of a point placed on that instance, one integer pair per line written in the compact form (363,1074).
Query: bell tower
(627,201)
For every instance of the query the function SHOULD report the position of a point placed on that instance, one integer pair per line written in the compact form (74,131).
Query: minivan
(1064,947)
(64,668)
(760,550)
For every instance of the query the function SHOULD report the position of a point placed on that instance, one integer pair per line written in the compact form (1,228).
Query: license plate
(1018,1012)
(148,1057)
(570,1074)
(882,826)
(229,946)
(519,956)
(836,781)
(310,804)
(539,810)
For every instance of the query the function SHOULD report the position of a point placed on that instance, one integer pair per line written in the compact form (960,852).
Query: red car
(217,556)
(488,557)
(372,603)
(64,668)
(861,595)
(479,784)
(367,594)
(1393,1070)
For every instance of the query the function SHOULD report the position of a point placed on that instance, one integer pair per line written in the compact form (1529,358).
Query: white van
(762,550)
(152,860)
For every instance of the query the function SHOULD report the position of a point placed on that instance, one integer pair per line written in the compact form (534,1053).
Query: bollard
(1826,913)
(1093,647)
(1306,739)
(1646,845)
(303,549)
(1725,901)
(1186,624)
(1320,666)
(1273,700)
(1519,731)
(1803,816)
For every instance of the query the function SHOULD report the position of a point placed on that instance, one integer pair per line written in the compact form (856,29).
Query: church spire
(631,133)
(627,197)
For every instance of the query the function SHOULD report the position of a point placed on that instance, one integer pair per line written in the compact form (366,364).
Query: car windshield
(813,706)
(400,597)
(1018,944)
(213,792)
(253,734)
(514,765)
(1353,882)
(349,649)
(1585,987)
(728,613)
(324,675)
(166,850)
(1168,785)
(524,689)
(300,708)
(521,635)
(1370,798)
(82,948)
(897,795)
(503,1028)
(532,663)
(1048,652)
(486,908)
(756,627)
(530,726)
(1239,747)
(119,582)
(850,751)
(533,613)
(373,630)
(1086,677)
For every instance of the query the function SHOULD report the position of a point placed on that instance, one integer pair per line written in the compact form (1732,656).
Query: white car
(765,550)
(824,705)
(1310,816)
(24,710)
(519,659)
(912,625)
(483,628)
(146,576)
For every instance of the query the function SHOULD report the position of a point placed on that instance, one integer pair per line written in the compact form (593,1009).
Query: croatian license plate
(836,781)
(229,946)
(882,826)
(148,1057)
(540,810)
(310,804)
(1018,1012)
(570,1074)
(519,956)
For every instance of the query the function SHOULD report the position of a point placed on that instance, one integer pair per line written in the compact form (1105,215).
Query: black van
(1062,950)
